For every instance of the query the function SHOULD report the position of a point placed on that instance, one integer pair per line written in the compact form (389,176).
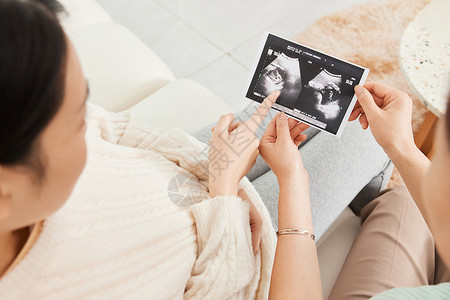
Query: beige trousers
(394,248)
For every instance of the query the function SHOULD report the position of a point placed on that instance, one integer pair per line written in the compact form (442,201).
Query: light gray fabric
(338,170)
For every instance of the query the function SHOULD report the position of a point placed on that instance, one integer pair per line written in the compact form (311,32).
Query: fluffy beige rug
(369,35)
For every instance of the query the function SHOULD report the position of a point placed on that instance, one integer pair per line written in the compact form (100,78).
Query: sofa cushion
(183,103)
(120,68)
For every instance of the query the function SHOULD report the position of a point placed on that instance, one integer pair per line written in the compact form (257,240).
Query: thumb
(366,100)
(283,132)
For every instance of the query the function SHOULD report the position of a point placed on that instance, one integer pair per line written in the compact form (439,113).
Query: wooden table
(425,63)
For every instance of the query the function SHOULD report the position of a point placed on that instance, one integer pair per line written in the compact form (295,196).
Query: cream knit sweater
(120,235)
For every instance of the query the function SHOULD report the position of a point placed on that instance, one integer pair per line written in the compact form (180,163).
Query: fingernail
(282,116)
(277,93)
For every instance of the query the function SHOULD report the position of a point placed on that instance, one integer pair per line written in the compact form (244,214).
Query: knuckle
(270,99)
(365,94)
(224,116)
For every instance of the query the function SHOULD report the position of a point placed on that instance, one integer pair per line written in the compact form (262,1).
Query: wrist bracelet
(295,231)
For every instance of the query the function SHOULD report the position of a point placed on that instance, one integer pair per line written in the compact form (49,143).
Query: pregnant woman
(113,231)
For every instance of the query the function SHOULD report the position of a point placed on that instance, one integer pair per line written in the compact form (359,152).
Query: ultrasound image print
(325,91)
(282,74)
(316,88)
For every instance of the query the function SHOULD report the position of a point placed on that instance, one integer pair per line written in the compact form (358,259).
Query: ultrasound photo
(316,88)
(281,74)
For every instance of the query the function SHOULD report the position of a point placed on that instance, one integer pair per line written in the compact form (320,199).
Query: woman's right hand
(279,147)
(233,149)
(388,113)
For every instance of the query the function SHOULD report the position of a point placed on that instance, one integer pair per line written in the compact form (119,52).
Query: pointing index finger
(263,109)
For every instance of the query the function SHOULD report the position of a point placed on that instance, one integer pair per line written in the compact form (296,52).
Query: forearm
(294,210)
(295,272)
(413,166)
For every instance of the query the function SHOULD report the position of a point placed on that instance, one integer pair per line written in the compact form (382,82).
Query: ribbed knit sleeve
(268,241)
(224,248)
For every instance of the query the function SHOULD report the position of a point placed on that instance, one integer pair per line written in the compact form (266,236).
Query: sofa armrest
(82,13)
(120,68)
(333,248)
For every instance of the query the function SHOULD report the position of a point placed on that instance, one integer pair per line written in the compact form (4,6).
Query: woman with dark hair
(119,234)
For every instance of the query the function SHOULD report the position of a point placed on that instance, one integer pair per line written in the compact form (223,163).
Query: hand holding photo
(316,88)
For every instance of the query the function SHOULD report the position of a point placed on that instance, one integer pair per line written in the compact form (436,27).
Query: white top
(121,236)
(425,55)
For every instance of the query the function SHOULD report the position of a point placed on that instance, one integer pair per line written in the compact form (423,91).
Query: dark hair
(33,52)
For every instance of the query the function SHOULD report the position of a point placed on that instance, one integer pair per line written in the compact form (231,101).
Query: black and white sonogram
(316,88)
(283,73)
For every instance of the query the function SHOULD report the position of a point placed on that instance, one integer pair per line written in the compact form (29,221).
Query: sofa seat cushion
(183,103)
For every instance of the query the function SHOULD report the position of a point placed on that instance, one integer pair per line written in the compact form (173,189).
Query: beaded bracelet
(295,231)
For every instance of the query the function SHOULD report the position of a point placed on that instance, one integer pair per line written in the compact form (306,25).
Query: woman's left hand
(233,149)
(279,147)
